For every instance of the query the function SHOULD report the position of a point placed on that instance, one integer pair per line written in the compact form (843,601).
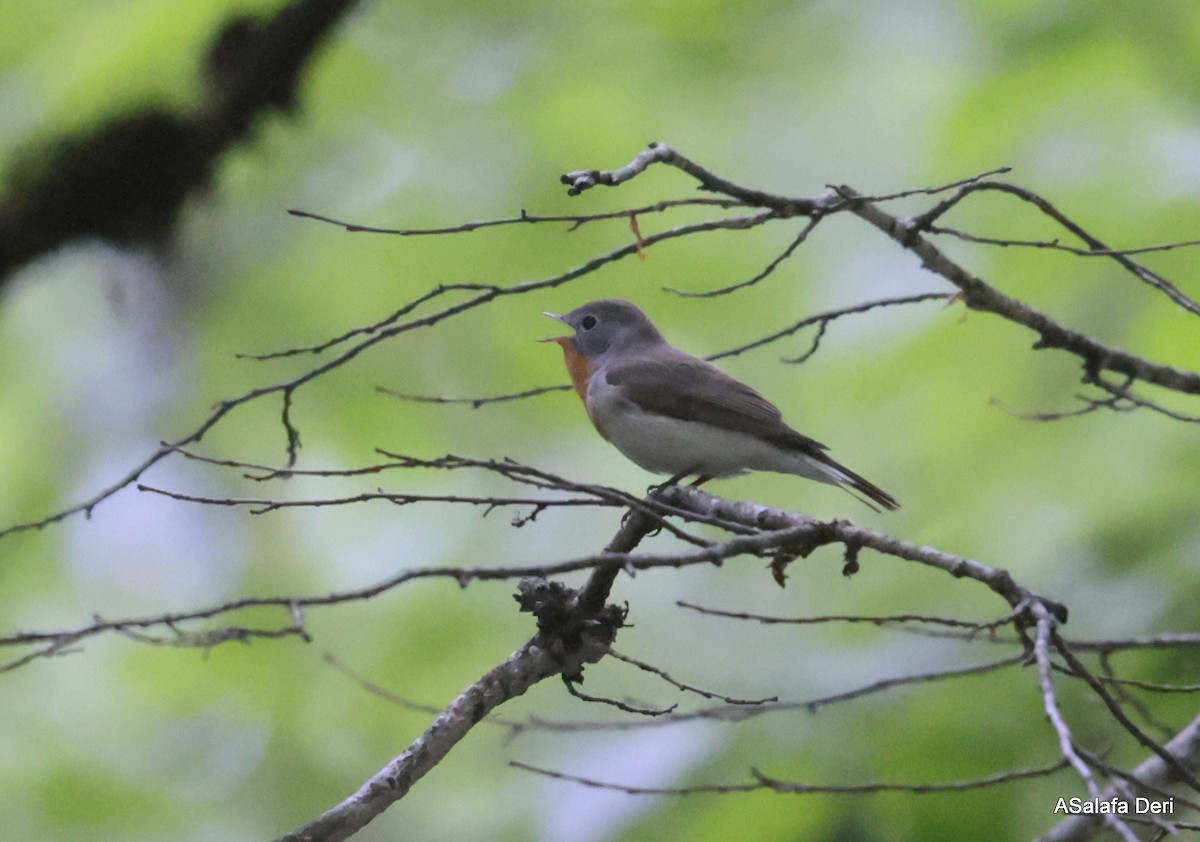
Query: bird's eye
(588,322)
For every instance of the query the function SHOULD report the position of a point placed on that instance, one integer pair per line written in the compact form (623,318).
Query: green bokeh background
(435,114)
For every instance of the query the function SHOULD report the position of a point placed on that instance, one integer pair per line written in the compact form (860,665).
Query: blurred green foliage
(436,114)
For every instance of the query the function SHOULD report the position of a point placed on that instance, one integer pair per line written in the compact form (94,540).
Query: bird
(672,413)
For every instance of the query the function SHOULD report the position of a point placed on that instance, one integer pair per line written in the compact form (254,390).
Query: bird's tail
(842,476)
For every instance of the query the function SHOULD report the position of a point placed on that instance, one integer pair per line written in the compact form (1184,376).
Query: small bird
(672,413)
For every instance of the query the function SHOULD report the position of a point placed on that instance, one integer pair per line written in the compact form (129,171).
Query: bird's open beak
(557,339)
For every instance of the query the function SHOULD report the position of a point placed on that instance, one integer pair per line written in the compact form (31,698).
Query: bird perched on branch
(672,413)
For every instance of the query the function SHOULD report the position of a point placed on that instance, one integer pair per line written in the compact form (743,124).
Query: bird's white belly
(667,445)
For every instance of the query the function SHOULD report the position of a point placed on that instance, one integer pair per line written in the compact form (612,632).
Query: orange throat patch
(580,370)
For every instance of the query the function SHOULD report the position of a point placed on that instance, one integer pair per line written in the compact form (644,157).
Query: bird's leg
(700,480)
(674,480)
(654,489)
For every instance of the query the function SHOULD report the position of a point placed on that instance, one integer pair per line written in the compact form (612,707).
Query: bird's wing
(679,385)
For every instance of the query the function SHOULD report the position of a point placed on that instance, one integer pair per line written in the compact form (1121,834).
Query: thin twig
(707,694)
(260,506)
(851,618)
(475,403)
(823,319)
(1055,245)
(771,267)
(933,191)
(1178,769)
(628,708)
(776,785)
(576,220)
(1142,273)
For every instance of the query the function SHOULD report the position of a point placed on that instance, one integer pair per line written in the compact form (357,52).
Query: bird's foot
(675,480)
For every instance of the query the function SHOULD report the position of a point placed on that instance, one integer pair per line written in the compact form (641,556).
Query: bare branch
(847,618)
(374,329)
(49,644)
(1151,685)
(576,220)
(823,320)
(770,530)
(1150,278)
(263,506)
(1129,786)
(516,727)
(524,668)
(665,676)
(1177,769)
(628,708)
(771,267)
(1090,405)
(917,789)
(808,534)
(210,638)
(658,153)
(775,785)
(376,690)
(933,191)
(1122,399)
(475,403)
(980,296)
(1041,652)
(372,336)
(738,713)
(574,629)
(1183,748)
(1167,640)
(1121,691)
(1055,245)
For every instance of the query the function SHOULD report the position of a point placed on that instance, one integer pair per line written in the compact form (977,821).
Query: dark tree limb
(127,180)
